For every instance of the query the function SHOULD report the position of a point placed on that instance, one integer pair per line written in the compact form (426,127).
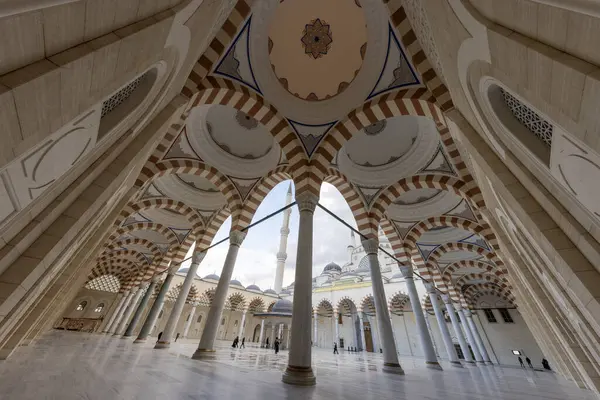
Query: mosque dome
(332,267)
(282,306)
(270,291)
(183,270)
(214,277)
(254,287)
(235,282)
(286,291)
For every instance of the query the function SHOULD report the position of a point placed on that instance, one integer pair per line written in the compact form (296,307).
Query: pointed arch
(236,301)
(134,241)
(353,199)
(144,226)
(346,306)
(256,305)
(467,278)
(398,302)
(488,267)
(213,224)
(139,257)
(367,305)
(324,308)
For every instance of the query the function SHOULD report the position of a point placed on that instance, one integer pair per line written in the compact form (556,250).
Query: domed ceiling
(316,47)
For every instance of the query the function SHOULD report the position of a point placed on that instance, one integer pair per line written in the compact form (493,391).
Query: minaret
(351,246)
(285,231)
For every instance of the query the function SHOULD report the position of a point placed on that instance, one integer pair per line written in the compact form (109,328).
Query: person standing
(267,343)
(529,362)
(521,362)
(335,350)
(276,345)
(177,336)
(159,335)
(243,343)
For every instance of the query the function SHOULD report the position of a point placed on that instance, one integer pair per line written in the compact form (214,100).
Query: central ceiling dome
(317,47)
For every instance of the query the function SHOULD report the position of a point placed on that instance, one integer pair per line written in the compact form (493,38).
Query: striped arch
(426,270)
(346,306)
(415,233)
(489,268)
(435,255)
(395,241)
(162,203)
(193,167)
(180,252)
(260,190)
(144,226)
(217,47)
(397,302)
(236,301)
(326,307)
(426,304)
(270,306)
(124,254)
(207,297)
(354,201)
(465,279)
(472,195)
(213,224)
(482,289)
(367,305)
(224,92)
(134,241)
(256,305)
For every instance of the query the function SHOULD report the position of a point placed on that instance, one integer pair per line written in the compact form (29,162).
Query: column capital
(467,312)
(406,271)
(458,307)
(307,201)
(446,299)
(430,287)
(236,238)
(155,278)
(198,256)
(371,246)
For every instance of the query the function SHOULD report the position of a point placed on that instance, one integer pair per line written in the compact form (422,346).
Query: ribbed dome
(332,267)
(270,291)
(254,287)
(363,266)
(282,306)
(234,282)
(212,276)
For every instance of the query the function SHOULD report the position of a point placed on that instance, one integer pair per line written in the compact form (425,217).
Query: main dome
(332,267)
(317,47)
(282,306)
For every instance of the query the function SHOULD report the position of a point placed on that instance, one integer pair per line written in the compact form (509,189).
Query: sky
(256,261)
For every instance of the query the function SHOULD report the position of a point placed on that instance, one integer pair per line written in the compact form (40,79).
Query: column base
(433,365)
(489,363)
(481,362)
(116,334)
(470,363)
(392,368)
(204,354)
(140,340)
(299,376)
(456,364)
(162,345)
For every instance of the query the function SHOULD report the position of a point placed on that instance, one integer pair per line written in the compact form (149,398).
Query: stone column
(426,314)
(280,334)
(168,332)
(477,337)
(241,334)
(299,370)
(188,323)
(457,330)
(262,330)
(439,315)
(135,296)
(121,300)
(469,334)
(315,322)
(141,307)
(384,326)
(361,326)
(337,326)
(431,360)
(392,324)
(156,308)
(213,319)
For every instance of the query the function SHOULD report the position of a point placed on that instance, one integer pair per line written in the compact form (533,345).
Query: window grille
(541,128)
(123,94)
(104,283)
(81,306)
(506,315)
(99,308)
(489,314)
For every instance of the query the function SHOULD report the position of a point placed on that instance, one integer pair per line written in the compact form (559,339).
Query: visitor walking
(529,362)
(243,343)
(267,343)
(276,345)
(335,350)
(177,336)
(546,364)
(521,362)
(159,335)
(235,342)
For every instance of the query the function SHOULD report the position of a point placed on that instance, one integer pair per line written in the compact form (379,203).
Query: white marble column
(431,360)
(156,308)
(206,347)
(241,334)
(299,370)
(426,314)
(477,337)
(169,331)
(315,323)
(262,331)
(135,296)
(439,315)
(470,337)
(141,307)
(361,326)
(188,323)
(280,334)
(384,326)
(459,334)
(336,316)
(118,309)
(392,323)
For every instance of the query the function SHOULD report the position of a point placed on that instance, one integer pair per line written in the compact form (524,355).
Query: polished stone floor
(69,366)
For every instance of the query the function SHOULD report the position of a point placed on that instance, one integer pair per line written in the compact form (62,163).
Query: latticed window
(506,315)
(489,314)
(81,306)
(104,283)
(529,118)
(99,308)
(123,94)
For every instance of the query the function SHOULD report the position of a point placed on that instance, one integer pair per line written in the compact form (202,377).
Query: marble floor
(69,366)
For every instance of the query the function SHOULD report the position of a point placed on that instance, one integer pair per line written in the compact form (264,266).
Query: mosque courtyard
(69,366)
